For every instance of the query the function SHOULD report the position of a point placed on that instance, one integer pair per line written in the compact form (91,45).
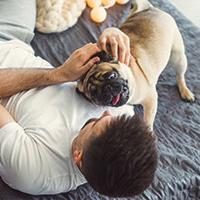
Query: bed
(177,123)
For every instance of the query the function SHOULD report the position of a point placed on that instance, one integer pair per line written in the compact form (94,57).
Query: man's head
(117,155)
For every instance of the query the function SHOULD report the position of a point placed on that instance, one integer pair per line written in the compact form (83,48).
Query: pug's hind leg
(179,62)
(185,92)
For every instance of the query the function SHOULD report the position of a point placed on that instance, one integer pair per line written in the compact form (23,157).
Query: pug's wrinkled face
(104,85)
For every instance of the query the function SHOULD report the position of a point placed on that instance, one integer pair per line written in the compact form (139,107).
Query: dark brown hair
(121,161)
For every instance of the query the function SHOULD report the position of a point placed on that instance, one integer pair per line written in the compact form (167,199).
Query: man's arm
(17,80)
(19,160)
(13,81)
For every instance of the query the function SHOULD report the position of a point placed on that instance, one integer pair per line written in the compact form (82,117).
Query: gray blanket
(177,123)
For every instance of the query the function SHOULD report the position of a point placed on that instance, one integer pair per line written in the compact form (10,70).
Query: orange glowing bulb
(98,14)
(122,1)
(108,3)
(93,3)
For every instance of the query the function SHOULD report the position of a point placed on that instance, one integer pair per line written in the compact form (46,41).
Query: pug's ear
(105,57)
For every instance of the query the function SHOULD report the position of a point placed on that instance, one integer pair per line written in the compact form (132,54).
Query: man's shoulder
(17,54)
(15,44)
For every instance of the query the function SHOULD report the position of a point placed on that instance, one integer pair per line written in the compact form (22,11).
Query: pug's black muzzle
(112,93)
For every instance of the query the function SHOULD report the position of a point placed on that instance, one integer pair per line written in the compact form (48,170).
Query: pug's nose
(108,88)
(125,89)
(114,88)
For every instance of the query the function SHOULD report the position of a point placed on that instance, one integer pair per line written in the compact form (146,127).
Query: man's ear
(77,156)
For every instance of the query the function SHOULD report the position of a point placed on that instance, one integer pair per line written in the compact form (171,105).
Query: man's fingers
(102,43)
(122,50)
(127,42)
(90,50)
(132,61)
(114,47)
(127,59)
(90,63)
(86,52)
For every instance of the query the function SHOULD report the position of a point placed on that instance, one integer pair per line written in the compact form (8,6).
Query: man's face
(94,126)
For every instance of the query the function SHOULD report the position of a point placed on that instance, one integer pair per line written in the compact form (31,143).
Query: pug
(155,40)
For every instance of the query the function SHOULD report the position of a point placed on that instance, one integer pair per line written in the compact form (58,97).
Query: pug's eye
(111,76)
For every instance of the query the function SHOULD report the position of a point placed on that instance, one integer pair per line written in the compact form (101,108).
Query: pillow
(58,15)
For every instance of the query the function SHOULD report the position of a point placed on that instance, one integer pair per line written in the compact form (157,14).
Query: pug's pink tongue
(116,100)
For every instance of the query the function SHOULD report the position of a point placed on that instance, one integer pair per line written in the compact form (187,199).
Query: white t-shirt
(35,151)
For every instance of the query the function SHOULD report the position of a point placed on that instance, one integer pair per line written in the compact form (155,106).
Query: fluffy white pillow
(58,15)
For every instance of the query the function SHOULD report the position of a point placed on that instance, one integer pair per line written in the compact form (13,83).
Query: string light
(98,13)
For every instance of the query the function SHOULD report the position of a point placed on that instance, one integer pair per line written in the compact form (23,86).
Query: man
(51,139)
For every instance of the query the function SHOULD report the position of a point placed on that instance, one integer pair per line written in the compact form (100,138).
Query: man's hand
(78,63)
(119,44)
(16,80)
